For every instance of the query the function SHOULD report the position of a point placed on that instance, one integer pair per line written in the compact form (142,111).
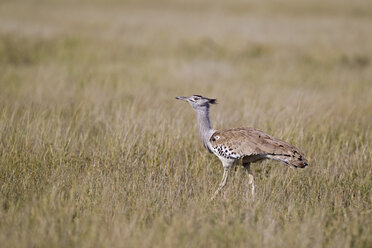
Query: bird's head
(197,101)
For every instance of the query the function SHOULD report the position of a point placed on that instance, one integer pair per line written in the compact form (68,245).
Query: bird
(245,144)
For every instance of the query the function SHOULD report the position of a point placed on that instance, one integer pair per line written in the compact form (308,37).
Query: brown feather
(254,145)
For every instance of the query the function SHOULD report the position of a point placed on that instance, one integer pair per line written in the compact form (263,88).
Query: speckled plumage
(255,145)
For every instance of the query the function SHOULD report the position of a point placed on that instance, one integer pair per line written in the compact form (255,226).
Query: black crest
(213,101)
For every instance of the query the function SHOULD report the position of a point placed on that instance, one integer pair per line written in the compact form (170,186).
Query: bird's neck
(205,129)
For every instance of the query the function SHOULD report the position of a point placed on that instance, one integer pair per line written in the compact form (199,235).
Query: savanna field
(96,152)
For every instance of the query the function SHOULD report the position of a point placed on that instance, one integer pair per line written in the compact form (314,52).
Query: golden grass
(95,151)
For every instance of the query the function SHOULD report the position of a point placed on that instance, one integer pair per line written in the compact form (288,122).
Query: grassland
(95,151)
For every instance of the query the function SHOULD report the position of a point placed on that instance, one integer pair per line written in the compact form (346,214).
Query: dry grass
(95,151)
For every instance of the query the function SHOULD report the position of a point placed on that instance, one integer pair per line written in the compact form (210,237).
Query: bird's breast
(225,152)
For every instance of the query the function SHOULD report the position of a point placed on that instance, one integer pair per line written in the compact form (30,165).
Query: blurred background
(184,47)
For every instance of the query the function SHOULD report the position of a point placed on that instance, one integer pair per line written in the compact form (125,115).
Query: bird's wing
(252,142)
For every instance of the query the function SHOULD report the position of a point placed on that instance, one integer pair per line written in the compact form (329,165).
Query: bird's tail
(291,158)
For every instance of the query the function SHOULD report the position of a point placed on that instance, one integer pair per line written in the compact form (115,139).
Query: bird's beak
(184,98)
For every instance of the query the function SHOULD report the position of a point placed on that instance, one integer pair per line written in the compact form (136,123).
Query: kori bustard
(248,145)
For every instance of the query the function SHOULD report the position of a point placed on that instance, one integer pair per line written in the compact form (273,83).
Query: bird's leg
(247,166)
(223,182)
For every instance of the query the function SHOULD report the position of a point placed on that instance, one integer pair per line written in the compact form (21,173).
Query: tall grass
(95,151)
